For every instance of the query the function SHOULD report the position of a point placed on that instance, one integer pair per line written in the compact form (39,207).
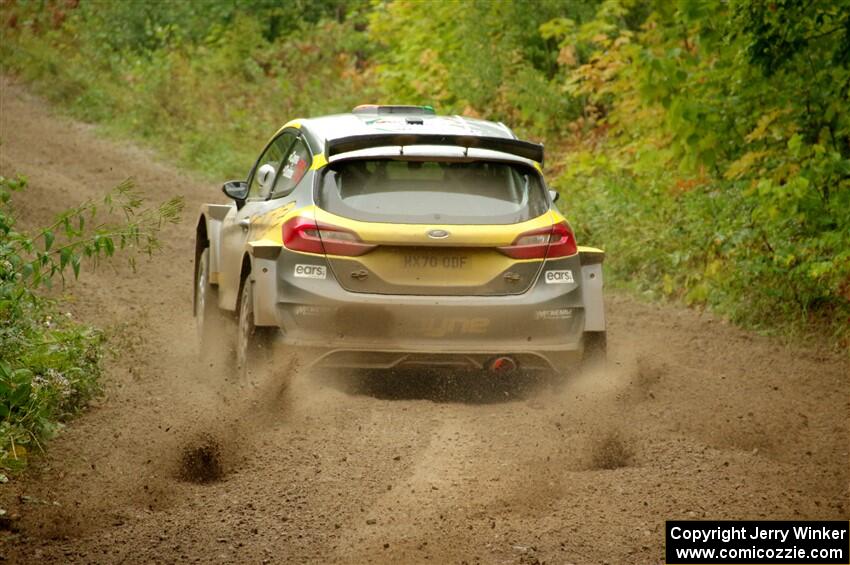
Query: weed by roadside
(50,364)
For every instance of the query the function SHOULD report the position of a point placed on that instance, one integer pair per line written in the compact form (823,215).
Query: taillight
(305,234)
(546,243)
(562,242)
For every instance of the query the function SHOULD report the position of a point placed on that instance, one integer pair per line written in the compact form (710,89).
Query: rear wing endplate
(524,149)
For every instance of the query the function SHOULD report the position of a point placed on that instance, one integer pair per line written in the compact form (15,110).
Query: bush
(715,160)
(203,81)
(50,365)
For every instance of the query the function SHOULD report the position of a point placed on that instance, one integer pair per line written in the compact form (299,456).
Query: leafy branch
(49,364)
(94,229)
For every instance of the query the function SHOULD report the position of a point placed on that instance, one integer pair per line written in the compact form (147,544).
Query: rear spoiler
(525,149)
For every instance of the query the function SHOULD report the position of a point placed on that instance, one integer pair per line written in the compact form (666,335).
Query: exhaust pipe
(501,365)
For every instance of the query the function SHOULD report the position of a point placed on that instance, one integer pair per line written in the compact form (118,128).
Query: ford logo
(438,234)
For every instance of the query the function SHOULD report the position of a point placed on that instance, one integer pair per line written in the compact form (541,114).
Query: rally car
(393,237)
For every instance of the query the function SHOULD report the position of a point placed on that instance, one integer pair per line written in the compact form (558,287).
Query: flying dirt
(691,418)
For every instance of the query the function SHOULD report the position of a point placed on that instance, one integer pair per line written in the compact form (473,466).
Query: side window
(294,167)
(268,166)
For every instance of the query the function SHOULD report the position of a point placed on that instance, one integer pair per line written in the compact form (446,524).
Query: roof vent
(379,109)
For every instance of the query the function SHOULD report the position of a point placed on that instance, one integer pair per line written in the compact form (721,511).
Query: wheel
(253,343)
(208,318)
(595,349)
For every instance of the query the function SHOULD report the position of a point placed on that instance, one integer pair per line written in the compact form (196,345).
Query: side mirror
(237,190)
(554,195)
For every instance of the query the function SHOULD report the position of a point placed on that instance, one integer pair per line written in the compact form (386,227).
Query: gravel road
(693,418)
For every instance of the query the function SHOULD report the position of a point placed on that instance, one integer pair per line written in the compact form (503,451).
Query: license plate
(423,261)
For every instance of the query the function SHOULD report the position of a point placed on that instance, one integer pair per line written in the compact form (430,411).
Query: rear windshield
(433,192)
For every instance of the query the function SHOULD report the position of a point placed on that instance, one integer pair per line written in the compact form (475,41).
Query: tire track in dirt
(692,419)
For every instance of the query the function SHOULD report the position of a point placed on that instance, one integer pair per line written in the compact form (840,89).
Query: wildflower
(60,382)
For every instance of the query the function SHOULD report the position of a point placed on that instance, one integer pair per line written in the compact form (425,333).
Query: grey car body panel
(317,314)
(453,322)
(544,322)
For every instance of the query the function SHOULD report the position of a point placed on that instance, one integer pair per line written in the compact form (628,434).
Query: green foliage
(723,176)
(148,27)
(487,58)
(49,364)
(706,145)
(208,82)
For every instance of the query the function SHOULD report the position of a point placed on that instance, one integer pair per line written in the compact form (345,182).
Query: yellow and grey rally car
(392,237)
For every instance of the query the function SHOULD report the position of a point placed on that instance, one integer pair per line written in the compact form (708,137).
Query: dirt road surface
(692,419)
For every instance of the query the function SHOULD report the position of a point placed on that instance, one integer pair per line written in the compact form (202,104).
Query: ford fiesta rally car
(392,237)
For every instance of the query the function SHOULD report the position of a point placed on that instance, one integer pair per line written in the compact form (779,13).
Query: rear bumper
(541,328)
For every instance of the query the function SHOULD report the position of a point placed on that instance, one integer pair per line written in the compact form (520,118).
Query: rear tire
(253,343)
(208,318)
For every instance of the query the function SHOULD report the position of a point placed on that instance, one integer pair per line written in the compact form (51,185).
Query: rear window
(433,192)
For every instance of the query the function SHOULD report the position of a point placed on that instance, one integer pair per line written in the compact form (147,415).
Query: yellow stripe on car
(489,235)
(268,225)
(295,124)
(319,161)
(467,235)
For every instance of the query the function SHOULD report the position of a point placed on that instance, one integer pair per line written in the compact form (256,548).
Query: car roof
(326,128)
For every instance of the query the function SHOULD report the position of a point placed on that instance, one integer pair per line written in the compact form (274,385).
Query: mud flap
(213,216)
(594,307)
(264,274)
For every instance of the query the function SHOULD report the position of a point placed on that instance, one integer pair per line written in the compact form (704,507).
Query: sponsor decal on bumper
(310,271)
(559,277)
(311,310)
(559,314)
